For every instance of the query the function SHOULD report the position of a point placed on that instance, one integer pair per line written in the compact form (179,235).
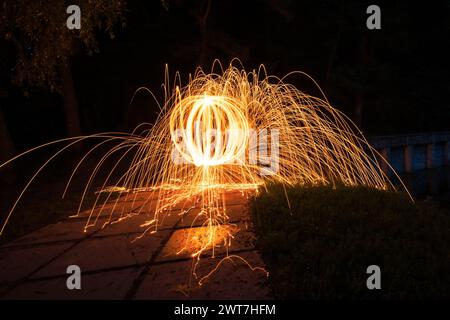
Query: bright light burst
(231,130)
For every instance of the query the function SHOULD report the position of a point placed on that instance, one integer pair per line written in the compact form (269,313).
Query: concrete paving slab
(112,209)
(232,213)
(233,279)
(145,247)
(139,223)
(185,242)
(17,263)
(113,256)
(103,253)
(67,230)
(126,225)
(105,285)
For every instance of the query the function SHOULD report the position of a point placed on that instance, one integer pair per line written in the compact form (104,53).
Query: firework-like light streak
(202,145)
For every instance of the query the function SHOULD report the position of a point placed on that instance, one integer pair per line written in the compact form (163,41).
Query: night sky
(401,70)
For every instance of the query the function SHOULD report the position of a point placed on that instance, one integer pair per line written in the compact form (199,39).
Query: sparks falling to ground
(230,130)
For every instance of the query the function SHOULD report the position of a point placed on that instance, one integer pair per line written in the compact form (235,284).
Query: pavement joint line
(140,278)
(66,219)
(11,244)
(44,243)
(18,282)
(89,272)
(77,218)
(228,205)
(146,265)
(102,216)
(129,266)
(62,219)
(94,236)
(151,262)
(25,279)
(220,255)
(38,244)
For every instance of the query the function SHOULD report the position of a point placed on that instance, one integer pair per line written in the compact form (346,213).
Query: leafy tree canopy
(42,41)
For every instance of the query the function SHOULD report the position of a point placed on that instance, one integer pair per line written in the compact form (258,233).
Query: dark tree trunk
(364,54)
(71,111)
(7,151)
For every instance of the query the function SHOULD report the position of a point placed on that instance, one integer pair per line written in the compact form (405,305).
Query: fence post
(429,155)
(446,155)
(408,158)
(385,153)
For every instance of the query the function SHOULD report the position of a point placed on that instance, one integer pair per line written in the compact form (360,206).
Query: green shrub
(321,246)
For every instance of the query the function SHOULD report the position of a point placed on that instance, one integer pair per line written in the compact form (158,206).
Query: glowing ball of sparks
(213,130)
(232,130)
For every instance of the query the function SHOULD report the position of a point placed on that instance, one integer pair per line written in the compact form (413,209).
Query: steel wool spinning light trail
(231,130)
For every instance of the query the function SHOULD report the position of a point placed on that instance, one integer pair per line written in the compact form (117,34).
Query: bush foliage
(321,246)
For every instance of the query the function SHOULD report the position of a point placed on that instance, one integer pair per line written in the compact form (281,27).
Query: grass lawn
(322,246)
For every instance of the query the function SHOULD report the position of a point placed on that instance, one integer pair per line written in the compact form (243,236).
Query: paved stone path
(114,266)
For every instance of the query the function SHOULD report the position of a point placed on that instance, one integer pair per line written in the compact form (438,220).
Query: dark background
(389,81)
